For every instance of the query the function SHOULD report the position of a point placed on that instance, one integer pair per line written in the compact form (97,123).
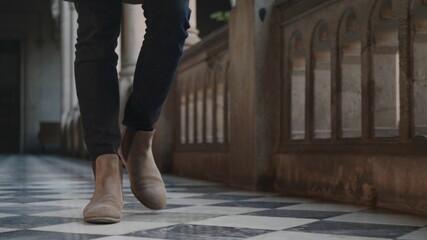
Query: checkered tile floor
(42,197)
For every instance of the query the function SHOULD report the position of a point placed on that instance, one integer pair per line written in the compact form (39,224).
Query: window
(297,65)
(420,71)
(386,74)
(322,82)
(351,78)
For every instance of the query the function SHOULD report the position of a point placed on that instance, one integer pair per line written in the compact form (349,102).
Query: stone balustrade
(320,98)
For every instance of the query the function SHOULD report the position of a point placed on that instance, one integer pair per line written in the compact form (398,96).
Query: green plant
(220,16)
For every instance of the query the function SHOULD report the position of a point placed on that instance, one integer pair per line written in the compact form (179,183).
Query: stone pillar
(74,16)
(254,94)
(65,69)
(75,135)
(133,30)
(193,32)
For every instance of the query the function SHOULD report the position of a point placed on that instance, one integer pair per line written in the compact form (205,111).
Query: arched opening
(351,77)
(322,82)
(191,105)
(419,68)
(209,106)
(220,103)
(200,82)
(297,69)
(386,72)
(183,113)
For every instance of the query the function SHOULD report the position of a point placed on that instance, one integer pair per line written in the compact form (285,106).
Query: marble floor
(42,197)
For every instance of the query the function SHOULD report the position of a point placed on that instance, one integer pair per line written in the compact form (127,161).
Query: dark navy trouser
(96,76)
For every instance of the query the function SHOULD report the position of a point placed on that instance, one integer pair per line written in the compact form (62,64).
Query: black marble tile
(199,190)
(296,213)
(253,204)
(139,206)
(355,229)
(167,217)
(190,184)
(225,197)
(42,235)
(32,221)
(199,232)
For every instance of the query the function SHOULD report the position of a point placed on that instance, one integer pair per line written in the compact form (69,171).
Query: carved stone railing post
(253,90)
(193,32)
(133,28)
(65,71)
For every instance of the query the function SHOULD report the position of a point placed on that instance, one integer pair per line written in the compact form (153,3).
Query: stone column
(76,137)
(254,89)
(133,30)
(193,32)
(74,16)
(65,69)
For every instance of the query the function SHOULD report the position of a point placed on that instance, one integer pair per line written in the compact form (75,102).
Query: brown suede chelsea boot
(106,203)
(146,182)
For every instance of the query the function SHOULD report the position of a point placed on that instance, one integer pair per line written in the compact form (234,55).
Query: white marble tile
(256,222)
(59,182)
(77,191)
(63,203)
(3,215)
(4,204)
(183,195)
(195,201)
(51,191)
(11,188)
(125,238)
(283,235)
(176,189)
(66,196)
(214,210)
(71,213)
(2,230)
(281,199)
(139,211)
(330,207)
(119,228)
(378,218)
(6,192)
(420,234)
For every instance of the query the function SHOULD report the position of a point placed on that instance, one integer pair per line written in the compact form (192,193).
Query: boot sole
(102,220)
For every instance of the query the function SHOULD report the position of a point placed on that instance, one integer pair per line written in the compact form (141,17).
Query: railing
(356,76)
(340,88)
(203,95)
(199,110)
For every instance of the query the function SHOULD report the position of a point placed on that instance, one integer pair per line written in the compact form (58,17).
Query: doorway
(10,104)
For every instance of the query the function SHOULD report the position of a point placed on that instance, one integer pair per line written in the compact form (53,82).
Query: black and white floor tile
(42,198)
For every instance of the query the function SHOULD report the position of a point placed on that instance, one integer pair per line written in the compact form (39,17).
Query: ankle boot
(146,182)
(106,203)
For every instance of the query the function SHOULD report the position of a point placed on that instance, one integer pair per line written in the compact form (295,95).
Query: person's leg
(96,75)
(98,95)
(167,24)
